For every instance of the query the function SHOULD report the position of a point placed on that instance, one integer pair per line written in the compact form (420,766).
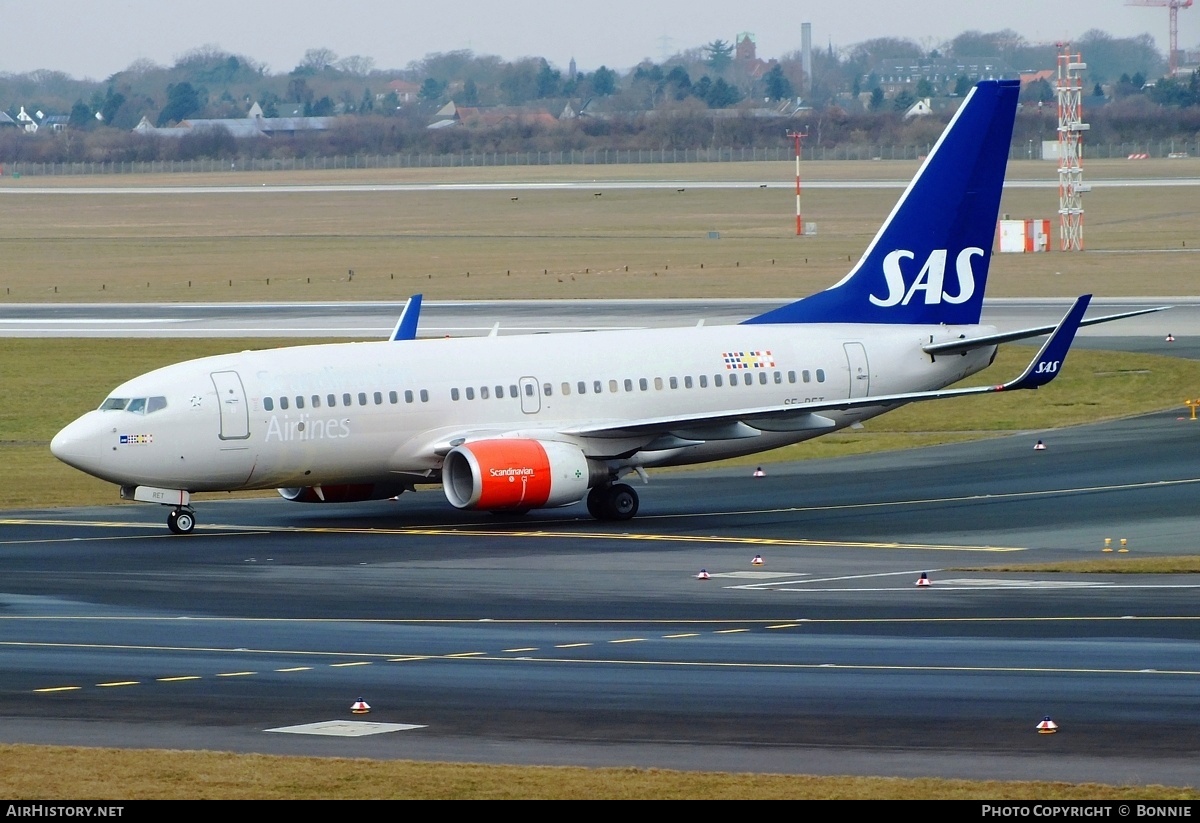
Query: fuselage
(388,411)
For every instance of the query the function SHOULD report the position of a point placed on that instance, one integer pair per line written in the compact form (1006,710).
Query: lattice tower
(1070,149)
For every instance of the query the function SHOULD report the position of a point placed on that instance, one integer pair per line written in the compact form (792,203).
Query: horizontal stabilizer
(967,344)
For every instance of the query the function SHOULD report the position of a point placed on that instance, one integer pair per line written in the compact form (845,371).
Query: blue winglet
(406,326)
(1048,363)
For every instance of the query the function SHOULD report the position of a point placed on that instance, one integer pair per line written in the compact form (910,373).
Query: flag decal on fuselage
(748,360)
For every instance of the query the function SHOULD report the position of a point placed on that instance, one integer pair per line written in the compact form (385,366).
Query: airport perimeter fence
(589,157)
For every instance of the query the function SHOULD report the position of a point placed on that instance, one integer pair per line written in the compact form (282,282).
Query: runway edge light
(923,580)
(757,561)
(360,707)
(1039,446)
(703,575)
(1047,726)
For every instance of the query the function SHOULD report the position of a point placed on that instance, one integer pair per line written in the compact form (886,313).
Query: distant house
(919,109)
(895,76)
(253,125)
(491,116)
(405,91)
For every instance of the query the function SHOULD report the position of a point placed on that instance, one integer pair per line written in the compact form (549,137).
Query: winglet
(406,326)
(1046,366)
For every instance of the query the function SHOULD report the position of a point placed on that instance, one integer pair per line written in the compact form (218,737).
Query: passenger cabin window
(547,389)
(628,384)
(470,393)
(408,396)
(762,378)
(378,398)
(674,382)
(347,400)
(612,386)
(582,386)
(299,401)
(454,394)
(732,379)
(499,392)
(316,401)
(566,389)
(658,384)
(331,400)
(642,384)
(483,392)
(687,382)
(704,381)
(820,375)
(283,403)
(268,404)
(806,375)
(393,398)
(424,395)
(362,398)
(597,387)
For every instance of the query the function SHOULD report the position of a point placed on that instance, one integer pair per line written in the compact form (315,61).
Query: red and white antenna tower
(1173,7)
(798,138)
(1070,149)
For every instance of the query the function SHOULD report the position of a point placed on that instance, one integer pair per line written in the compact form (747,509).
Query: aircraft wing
(689,429)
(970,343)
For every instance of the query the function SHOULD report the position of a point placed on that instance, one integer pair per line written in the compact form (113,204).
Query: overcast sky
(97,38)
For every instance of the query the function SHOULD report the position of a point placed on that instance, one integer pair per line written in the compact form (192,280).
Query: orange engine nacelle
(343,493)
(507,475)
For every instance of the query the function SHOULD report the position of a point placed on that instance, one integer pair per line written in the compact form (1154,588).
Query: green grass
(66,773)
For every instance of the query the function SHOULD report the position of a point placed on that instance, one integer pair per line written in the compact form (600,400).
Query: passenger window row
(362,398)
(643,384)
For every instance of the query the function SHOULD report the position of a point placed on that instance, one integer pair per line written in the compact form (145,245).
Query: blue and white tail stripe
(929,262)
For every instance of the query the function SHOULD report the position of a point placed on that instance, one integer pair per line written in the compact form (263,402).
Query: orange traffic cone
(923,580)
(360,707)
(1047,726)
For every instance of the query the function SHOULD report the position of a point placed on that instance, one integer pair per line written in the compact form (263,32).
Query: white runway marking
(345,728)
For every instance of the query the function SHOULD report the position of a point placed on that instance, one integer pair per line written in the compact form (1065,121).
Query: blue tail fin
(929,262)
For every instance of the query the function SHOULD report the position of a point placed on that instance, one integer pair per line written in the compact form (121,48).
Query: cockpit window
(137,405)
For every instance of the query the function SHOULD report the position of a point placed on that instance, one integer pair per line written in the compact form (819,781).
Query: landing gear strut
(612,502)
(181,520)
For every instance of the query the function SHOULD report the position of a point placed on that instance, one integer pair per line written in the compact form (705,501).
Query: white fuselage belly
(244,437)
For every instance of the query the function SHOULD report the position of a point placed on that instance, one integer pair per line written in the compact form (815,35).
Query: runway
(374,320)
(555,639)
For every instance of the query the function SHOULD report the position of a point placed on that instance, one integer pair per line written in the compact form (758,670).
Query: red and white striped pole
(797,137)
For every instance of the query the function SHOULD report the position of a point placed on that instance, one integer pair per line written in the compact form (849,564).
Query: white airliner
(509,424)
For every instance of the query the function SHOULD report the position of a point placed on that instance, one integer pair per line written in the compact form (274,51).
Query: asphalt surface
(554,639)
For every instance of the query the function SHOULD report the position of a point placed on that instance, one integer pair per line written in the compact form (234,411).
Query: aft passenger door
(860,374)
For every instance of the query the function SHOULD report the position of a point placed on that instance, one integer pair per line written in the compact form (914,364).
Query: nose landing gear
(181,520)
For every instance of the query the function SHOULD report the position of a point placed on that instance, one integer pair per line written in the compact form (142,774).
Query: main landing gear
(181,520)
(617,501)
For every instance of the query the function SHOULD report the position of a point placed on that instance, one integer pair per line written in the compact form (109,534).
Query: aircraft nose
(76,445)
